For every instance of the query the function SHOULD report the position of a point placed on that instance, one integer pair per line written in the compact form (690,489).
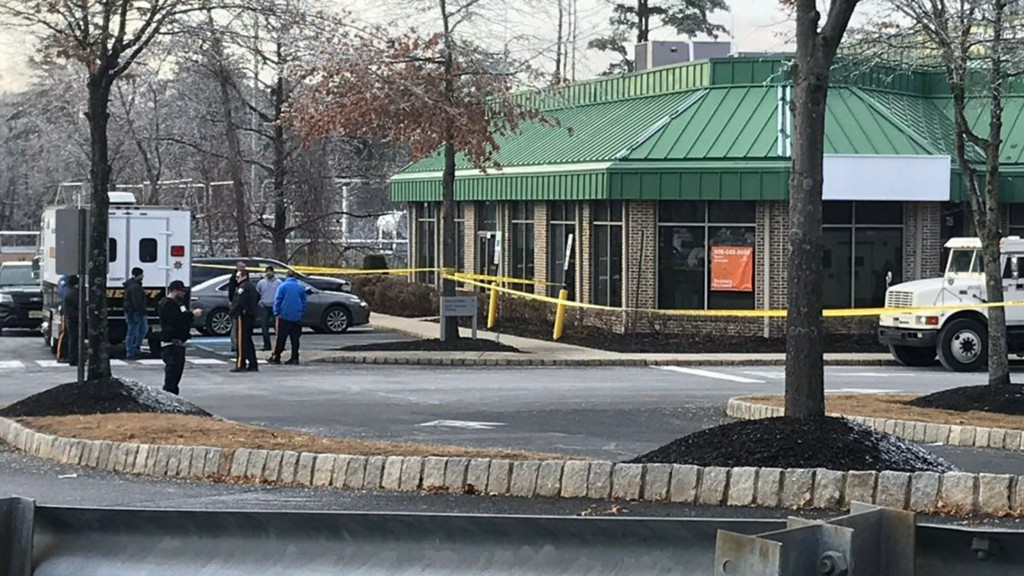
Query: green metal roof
(584,134)
(856,125)
(728,123)
(978,114)
(704,130)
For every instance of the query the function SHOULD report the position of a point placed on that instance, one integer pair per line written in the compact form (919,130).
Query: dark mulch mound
(597,338)
(832,443)
(433,345)
(94,397)
(1004,399)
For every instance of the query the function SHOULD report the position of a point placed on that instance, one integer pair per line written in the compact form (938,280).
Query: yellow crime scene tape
(498,283)
(760,313)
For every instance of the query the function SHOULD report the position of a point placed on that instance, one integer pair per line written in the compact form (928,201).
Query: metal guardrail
(55,541)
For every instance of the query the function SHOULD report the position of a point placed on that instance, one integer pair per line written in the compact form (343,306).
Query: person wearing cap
(243,312)
(175,330)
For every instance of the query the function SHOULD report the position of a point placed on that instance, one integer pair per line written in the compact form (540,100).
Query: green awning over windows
(707,130)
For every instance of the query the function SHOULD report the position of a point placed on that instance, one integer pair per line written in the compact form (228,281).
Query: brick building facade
(674,183)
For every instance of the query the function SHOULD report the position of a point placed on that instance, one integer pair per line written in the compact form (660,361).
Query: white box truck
(958,337)
(157,239)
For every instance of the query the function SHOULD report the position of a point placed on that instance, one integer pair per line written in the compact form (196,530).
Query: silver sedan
(331,312)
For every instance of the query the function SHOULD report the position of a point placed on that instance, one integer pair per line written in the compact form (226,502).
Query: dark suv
(204,269)
(21,296)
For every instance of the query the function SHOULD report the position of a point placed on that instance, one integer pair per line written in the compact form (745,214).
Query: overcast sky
(756,25)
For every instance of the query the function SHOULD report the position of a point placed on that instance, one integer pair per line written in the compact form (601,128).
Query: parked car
(331,312)
(204,269)
(21,296)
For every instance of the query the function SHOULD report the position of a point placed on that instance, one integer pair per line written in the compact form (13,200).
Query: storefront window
(607,281)
(522,243)
(488,216)
(460,237)
(688,232)
(426,241)
(1016,213)
(561,225)
(862,244)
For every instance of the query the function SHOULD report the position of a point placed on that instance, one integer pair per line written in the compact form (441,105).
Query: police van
(157,239)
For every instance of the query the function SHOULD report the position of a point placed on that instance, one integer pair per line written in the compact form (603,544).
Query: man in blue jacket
(289,307)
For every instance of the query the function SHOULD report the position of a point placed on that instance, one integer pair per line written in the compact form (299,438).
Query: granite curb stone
(954,492)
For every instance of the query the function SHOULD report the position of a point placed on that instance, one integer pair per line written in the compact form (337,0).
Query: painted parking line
(51,364)
(11,364)
(204,361)
(710,374)
(464,424)
(151,362)
(768,375)
(114,362)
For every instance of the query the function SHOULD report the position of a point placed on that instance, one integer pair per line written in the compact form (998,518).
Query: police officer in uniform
(243,311)
(175,329)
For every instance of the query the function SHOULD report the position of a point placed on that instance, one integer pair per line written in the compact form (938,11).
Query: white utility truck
(157,239)
(958,337)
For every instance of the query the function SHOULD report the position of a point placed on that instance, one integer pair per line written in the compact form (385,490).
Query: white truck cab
(958,337)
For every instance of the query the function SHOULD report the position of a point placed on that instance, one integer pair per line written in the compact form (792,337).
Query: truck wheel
(913,356)
(963,345)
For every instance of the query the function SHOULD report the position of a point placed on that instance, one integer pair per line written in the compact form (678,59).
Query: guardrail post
(563,295)
(877,541)
(492,307)
(16,532)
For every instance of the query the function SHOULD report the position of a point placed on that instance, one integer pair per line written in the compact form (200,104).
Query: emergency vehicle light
(178,251)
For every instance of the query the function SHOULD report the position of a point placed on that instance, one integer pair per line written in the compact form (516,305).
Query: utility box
(69,235)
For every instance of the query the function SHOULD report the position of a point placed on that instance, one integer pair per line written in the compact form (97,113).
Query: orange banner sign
(732,268)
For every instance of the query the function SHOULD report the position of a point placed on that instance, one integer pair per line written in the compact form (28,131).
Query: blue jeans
(138,326)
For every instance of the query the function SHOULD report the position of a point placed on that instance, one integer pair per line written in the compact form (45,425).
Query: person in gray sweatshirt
(267,288)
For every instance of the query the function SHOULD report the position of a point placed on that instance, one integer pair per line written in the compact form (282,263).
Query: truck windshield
(16,276)
(963,262)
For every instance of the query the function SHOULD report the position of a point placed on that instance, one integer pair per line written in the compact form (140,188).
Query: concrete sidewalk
(547,353)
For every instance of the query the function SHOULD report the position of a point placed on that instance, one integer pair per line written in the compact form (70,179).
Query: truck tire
(963,345)
(913,356)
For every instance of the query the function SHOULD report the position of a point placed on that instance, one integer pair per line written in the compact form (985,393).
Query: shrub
(375,262)
(396,296)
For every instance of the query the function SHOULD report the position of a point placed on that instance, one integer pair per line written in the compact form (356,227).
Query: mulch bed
(1003,399)
(692,343)
(101,397)
(832,443)
(433,345)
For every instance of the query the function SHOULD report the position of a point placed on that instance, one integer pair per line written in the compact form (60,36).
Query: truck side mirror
(1014,267)
(888,279)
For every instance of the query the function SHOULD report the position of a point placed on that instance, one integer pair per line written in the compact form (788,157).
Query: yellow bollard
(563,295)
(492,307)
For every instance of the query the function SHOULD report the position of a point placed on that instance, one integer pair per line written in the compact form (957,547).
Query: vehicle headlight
(6,298)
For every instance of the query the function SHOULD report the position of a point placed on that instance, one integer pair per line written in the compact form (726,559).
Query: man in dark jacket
(289,307)
(175,329)
(244,307)
(232,289)
(69,309)
(135,315)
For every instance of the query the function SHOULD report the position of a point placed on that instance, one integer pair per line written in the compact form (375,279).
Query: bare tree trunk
(241,208)
(805,378)
(557,79)
(447,232)
(94,295)
(280,232)
(998,356)
(643,21)
(805,396)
